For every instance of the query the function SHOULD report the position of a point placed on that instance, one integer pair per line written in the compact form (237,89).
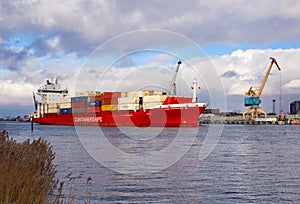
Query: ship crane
(172,87)
(253,100)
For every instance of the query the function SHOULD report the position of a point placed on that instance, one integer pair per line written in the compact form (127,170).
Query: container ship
(141,108)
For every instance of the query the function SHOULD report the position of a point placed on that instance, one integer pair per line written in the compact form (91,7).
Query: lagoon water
(248,164)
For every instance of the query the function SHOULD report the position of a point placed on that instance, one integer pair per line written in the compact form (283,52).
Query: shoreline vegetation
(28,175)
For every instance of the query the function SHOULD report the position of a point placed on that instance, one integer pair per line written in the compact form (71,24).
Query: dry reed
(27,174)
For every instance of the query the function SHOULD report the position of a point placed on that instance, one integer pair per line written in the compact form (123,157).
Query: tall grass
(27,174)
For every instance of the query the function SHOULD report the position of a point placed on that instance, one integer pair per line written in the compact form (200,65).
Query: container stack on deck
(131,100)
(65,105)
(42,108)
(53,108)
(153,100)
(79,104)
(110,101)
(94,102)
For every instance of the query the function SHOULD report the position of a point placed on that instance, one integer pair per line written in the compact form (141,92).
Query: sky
(105,45)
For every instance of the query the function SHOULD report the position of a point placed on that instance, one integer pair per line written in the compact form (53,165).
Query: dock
(238,120)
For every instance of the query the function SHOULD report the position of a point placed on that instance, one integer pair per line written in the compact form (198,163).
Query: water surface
(250,164)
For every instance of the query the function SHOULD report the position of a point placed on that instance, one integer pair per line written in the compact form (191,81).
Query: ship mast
(194,100)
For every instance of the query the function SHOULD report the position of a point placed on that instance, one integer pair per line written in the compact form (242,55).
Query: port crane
(253,100)
(172,87)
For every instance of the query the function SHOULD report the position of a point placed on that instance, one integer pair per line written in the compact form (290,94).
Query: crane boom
(172,87)
(261,88)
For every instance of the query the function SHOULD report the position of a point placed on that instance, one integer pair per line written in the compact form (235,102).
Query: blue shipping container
(79,99)
(65,111)
(95,104)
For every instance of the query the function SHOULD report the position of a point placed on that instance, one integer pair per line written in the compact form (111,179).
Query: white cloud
(294,84)
(251,65)
(54,42)
(15,93)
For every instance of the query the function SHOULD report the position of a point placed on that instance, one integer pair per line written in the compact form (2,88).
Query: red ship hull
(172,115)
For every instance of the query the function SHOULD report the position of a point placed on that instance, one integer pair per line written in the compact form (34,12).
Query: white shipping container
(53,105)
(150,105)
(141,93)
(65,100)
(39,109)
(127,100)
(124,94)
(53,110)
(154,98)
(65,105)
(45,108)
(158,93)
(128,106)
(88,93)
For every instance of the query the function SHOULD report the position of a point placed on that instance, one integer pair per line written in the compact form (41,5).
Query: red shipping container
(110,101)
(109,95)
(96,98)
(79,110)
(94,109)
(82,104)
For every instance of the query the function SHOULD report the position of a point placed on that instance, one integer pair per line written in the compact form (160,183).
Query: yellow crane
(253,100)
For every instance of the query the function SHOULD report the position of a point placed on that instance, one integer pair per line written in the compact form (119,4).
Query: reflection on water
(250,164)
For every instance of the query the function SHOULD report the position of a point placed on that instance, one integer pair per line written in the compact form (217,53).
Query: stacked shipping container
(79,104)
(152,101)
(65,105)
(93,102)
(140,100)
(53,108)
(110,101)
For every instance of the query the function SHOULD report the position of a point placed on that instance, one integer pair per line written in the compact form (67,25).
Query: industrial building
(295,107)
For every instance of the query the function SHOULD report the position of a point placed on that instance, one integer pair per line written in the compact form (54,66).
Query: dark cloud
(82,26)
(229,74)
(13,59)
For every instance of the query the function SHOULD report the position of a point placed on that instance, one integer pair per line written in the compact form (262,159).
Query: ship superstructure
(51,92)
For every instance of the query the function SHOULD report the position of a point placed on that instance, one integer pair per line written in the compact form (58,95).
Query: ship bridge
(51,92)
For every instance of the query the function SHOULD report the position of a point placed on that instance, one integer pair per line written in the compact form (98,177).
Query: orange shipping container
(109,107)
